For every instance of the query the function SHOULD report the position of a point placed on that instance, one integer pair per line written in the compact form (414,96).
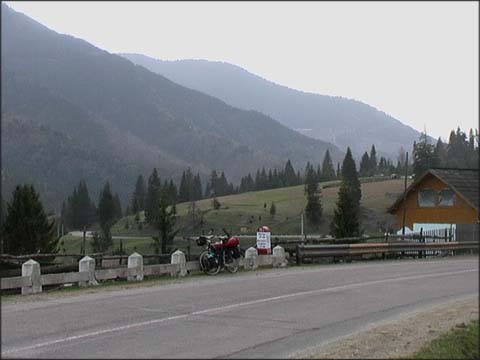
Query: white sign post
(263,242)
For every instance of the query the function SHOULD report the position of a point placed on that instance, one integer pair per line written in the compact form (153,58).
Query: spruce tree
(212,185)
(373,161)
(172,192)
(350,176)
(118,207)
(153,196)
(313,209)
(183,189)
(319,173)
(365,165)
(106,217)
(423,156)
(222,185)
(165,224)
(138,197)
(273,209)
(346,218)
(26,228)
(290,175)
(135,206)
(197,187)
(328,172)
(346,222)
(402,158)
(440,152)
(216,204)
(86,208)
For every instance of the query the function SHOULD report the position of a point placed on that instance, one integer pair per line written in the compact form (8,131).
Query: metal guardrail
(347,250)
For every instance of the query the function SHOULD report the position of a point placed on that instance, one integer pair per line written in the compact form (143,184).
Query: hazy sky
(416,61)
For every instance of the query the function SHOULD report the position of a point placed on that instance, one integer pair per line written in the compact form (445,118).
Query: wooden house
(440,198)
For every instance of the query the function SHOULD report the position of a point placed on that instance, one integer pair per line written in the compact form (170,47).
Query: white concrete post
(250,262)
(135,261)
(178,257)
(278,255)
(87,264)
(32,268)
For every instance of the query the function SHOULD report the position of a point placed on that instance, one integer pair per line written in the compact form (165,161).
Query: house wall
(460,213)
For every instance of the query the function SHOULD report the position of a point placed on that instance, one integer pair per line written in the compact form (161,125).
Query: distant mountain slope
(338,120)
(123,118)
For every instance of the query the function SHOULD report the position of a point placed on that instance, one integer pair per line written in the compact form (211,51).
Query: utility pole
(301,225)
(84,238)
(405,197)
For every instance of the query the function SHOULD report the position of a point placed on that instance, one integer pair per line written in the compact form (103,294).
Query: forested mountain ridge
(121,117)
(341,121)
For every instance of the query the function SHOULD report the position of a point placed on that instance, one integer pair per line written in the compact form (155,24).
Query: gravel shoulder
(400,337)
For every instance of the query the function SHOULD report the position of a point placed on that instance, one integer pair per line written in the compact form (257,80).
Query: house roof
(463,181)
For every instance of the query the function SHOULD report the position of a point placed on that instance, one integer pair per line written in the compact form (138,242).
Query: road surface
(267,314)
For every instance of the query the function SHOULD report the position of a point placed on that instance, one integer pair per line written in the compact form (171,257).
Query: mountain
(343,122)
(72,111)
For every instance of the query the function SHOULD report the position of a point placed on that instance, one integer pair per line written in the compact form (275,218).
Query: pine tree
(402,158)
(350,177)
(172,192)
(308,168)
(471,140)
(216,204)
(153,197)
(290,175)
(86,208)
(346,215)
(328,172)
(263,179)
(165,223)
(382,167)
(423,156)
(106,217)
(197,187)
(26,228)
(183,189)
(440,152)
(222,185)
(79,210)
(212,185)
(273,209)
(313,209)
(319,173)
(257,180)
(139,194)
(365,165)
(339,173)
(118,207)
(373,161)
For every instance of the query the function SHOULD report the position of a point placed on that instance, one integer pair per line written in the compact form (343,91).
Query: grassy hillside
(242,214)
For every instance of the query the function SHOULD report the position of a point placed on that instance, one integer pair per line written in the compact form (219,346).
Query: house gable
(461,211)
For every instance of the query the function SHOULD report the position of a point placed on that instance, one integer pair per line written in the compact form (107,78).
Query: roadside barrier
(398,249)
(32,280)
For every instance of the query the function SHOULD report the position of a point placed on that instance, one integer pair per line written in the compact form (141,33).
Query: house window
(446,198)
(426,198)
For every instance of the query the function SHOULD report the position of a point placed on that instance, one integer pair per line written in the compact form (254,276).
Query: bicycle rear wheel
(206,265)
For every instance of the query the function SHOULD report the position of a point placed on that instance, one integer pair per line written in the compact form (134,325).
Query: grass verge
(459,343)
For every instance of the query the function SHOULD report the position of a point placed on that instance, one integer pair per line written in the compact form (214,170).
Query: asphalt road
(250,315)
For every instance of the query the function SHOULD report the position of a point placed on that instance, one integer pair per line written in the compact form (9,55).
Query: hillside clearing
(243,213)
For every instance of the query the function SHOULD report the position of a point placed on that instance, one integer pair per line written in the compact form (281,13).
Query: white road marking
(232,306)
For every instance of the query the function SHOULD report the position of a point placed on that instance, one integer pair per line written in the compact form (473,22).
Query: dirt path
(401,337)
